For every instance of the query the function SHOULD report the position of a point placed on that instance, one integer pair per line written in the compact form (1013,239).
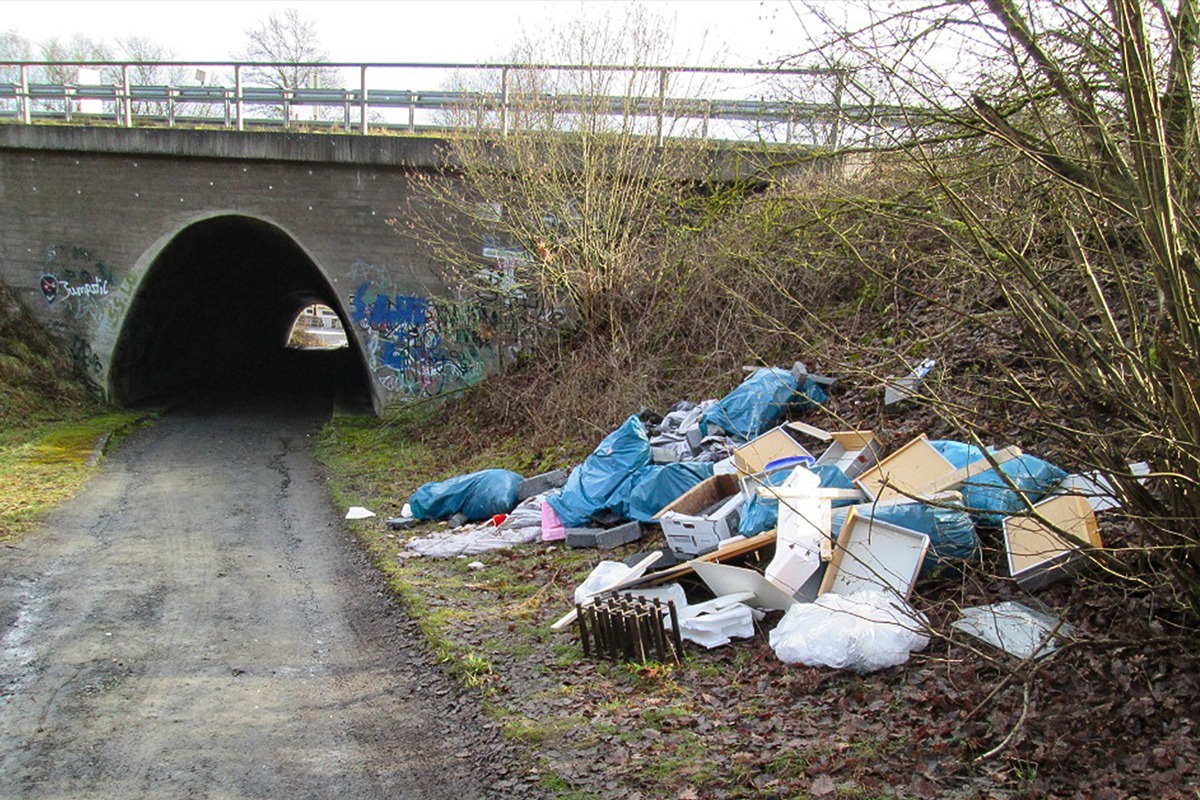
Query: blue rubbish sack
(951,531)
(479,495)
(832,477)
(957,453)
(603,477)
(659,486)
(619,502)
(810,396)
(762,513)
(989,498)
(754,406)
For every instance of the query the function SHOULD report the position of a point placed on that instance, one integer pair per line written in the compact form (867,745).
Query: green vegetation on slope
(52,430)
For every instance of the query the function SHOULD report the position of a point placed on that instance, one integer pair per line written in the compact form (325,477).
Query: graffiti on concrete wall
(410,348)
(79,286)
(427,345)
(75,280)
(86,362)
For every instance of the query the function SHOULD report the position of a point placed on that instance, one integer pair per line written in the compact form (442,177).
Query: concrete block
(604,538)
(583,537)
(666,558)
(555,479)
(622,534)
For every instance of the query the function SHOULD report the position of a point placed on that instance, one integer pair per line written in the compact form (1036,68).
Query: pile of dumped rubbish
(760,515)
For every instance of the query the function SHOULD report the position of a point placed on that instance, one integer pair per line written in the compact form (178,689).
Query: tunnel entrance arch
(211,317)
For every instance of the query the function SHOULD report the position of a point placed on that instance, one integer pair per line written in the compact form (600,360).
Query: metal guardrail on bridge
(500,106)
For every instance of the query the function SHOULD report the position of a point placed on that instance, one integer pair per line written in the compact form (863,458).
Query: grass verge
(43,463)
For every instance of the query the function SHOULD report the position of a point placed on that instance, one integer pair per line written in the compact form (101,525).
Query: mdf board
(874,556)
(909,469)
(1037,553)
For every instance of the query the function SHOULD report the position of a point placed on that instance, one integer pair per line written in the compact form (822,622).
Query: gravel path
(197,623)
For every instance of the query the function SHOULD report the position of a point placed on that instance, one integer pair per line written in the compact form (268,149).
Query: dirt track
(197,624)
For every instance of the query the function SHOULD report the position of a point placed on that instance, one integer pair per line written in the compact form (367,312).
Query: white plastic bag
(863,632)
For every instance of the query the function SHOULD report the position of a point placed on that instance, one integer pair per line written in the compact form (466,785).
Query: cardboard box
(699,519)
(1037,554)
(752,457)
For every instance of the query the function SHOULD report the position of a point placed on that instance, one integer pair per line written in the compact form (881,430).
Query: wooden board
(876,556)
(730,552)
(918,470)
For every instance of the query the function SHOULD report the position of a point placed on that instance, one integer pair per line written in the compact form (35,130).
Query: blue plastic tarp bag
(753,407)
(479,495)
(620,501)
(604,474)
(958,454)
(810,395)
(951,531)
(989,498)
(659,486)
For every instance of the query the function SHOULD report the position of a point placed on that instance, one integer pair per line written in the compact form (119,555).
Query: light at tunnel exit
(317,327)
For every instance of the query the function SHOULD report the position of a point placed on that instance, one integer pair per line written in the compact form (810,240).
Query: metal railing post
(839,89)
(504,102)
(237,88)
(126,97)
(662,103)
(362,100)
(26,110)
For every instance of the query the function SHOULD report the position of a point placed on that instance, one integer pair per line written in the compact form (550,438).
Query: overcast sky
(744,32)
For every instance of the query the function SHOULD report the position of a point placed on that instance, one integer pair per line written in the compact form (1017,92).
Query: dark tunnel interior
(211,318)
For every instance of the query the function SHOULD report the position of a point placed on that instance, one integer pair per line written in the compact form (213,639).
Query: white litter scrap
(718,622)
(522,526)
(709,624)
(358,512)
(1014,628)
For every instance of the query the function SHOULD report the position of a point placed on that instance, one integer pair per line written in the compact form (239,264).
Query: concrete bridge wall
(165,259)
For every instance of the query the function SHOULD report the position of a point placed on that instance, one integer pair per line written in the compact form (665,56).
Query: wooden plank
(962,475)
(810,430)
(720,555)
